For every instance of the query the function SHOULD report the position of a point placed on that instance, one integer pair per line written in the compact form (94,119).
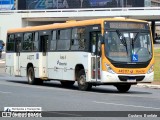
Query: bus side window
(10,43)
(63,42)
(53,42)
(35,42)
(78,41)
(74,40)
(18,40)
(27,42)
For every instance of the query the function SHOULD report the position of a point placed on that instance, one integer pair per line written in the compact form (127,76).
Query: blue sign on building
(6,4)
(98,3)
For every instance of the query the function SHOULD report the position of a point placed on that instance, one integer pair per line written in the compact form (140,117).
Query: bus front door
(17,49)
(95,56)
(43,65)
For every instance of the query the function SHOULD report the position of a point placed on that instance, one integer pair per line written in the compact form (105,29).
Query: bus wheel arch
(77,69)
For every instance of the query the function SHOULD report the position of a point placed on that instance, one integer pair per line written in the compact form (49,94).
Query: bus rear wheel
(123,88)
(82,84)
(31,77)
(67,83)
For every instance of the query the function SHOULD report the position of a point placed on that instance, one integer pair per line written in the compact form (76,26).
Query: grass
(157,65)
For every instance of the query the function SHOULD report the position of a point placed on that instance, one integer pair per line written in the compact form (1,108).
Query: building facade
(155,3)
(73,4)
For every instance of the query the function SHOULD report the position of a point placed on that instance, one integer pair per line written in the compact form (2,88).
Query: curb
(149,86)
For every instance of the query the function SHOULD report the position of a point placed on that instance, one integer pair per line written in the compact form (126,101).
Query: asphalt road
(16,92)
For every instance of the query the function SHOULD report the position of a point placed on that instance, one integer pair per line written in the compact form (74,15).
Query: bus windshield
(128,46)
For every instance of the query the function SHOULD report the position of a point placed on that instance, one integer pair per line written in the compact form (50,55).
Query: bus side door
(43,55)
(95,56)
(18,39)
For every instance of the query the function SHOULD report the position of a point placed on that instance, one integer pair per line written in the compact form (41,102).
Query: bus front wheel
(31,77)
(82,84)
(123,88)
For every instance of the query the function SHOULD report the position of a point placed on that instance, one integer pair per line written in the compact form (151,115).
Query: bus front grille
(125,78)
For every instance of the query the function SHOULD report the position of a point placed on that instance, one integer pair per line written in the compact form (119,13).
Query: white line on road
(130,95)
(4,92)
(116,104)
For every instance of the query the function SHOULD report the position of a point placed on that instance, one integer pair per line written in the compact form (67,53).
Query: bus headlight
(150,69)
(109,69)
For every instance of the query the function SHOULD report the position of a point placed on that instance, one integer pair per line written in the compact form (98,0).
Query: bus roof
(70,24)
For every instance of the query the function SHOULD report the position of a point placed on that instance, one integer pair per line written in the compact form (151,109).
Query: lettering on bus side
(61,63)
(63,57)
(30,57)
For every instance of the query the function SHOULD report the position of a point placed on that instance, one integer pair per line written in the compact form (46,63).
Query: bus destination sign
(126,25)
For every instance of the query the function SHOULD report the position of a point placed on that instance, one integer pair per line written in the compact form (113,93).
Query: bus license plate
(131,80)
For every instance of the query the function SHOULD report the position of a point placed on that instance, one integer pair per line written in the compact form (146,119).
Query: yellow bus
(107,51)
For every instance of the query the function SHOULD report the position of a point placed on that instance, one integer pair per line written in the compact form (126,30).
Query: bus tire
(82,84)
(123,88)
(67,83)
(31,77)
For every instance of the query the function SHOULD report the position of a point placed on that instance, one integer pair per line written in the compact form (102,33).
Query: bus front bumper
(107,77)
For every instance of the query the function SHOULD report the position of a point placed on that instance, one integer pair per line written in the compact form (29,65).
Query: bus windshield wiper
(123,40)
(133,41)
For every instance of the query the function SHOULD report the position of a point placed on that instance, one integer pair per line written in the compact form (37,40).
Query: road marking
(116,104)
(4,92)
(132,95)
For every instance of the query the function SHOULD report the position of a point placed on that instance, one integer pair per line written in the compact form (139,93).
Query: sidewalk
(148,85)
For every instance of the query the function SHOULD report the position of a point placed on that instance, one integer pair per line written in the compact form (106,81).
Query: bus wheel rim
(30,75)
(82,80)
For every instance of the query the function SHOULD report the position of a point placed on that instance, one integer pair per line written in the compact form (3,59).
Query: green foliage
(157,65)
